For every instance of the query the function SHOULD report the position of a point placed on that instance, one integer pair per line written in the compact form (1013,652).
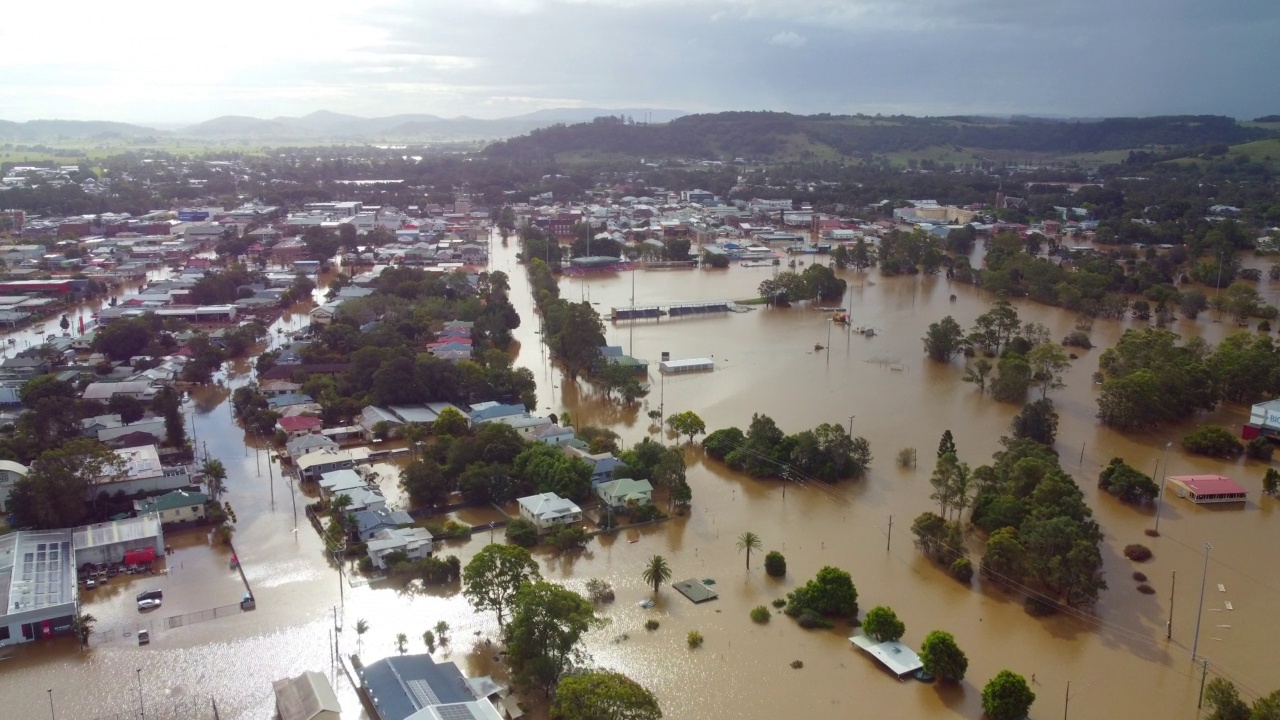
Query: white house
(625,491)
(548,510)
(308,443)
(314,464)
(306,697)
(10,473)
(415,542)
(335,482)
(553,434)
(141,471)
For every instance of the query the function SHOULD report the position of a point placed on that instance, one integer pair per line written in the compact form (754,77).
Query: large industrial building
(38,572)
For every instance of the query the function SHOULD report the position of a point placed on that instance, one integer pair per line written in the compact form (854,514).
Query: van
(151,595)
(144,637)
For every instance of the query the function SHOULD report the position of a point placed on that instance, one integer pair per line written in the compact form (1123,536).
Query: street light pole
(51,715)
(1195,645)
(1163,479)
(851,417)
(142,710)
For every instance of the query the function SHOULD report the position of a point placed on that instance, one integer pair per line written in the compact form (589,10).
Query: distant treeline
(766,134)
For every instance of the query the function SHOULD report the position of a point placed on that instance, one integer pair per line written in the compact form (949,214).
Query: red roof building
(1205,489)
(298,425)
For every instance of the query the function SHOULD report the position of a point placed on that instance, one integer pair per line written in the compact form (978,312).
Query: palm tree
(214,475)
(442,630)
(749,541)
(402,643)
(362,627)
(83,626)
(656,572)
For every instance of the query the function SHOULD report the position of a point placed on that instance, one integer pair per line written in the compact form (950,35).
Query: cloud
(787,38)
(488,58)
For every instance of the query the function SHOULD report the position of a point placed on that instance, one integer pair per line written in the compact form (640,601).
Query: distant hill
(769,135)
(51,131)
(330,126)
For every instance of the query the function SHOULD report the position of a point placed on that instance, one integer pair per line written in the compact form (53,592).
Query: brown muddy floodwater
(1115,656)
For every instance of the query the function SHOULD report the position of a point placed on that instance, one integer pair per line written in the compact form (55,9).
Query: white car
(148,604)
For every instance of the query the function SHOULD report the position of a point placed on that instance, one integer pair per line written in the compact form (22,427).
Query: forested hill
(786,136)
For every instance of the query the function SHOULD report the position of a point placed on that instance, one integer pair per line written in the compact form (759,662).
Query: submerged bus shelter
(898,658)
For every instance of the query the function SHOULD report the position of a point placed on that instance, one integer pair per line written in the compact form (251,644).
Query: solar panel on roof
(423,693)
(456,712)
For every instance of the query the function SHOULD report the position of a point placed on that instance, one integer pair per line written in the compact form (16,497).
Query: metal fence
(174,621)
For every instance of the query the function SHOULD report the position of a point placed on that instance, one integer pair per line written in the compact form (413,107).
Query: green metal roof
(175,499)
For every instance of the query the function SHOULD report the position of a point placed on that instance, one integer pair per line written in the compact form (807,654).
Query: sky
(176,62)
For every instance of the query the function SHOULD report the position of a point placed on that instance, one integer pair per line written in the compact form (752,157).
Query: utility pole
(1163,479)
(1066,701)
(1168,627)
(890,535)
(1204,673)
(851,417)
(1200,613)
(51,715)
(142,710)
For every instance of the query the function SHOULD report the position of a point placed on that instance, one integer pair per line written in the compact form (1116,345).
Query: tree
(129,408)
(215,475)
(52,495)
(82,625)
(603,695)
(977,372)
(747,542)
(1012,380)
(775,564)
(424,482)
(946,444)
(942,657)
(996,327)
(362,627)
(402,643)
(883,625)
(950,482)
(1049,362)
(1192,302)
(944,339)
(656,572)
(1221,695)
(494,576)
(1214,441)
(450,423)
(429,639)
(1004,559)
(687,423)
(1240,299)
(522,532)
(1007,696)
(168,404)
(1037,421)
(1127,483)
(1271,482)
(123,338)
(830,592)
(547,624)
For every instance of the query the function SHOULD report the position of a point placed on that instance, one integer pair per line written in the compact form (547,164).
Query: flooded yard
(1115,655)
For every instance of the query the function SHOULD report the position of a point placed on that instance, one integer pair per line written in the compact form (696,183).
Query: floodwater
(1115,656)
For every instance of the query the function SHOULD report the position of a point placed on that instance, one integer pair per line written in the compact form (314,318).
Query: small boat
(646,604)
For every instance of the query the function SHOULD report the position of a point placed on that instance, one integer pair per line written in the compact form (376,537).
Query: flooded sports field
(1116,655)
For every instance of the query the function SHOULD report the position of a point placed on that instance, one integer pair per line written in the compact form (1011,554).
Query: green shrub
(809,620)
(522,532)
(647,512)
(962,569)
(779,603)
(1137,553)
(650,624)
(695,639)
(1260,448)
(1214,441)
(760,614)
(1077,339)
(775,565)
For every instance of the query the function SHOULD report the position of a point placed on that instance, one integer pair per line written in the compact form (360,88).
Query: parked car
(144,637)
(148,604)
(90,584)
(151,595)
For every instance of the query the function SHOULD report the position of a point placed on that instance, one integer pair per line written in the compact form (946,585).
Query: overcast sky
(172,62)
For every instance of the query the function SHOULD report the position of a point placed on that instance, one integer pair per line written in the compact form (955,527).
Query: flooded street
(1116,656)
